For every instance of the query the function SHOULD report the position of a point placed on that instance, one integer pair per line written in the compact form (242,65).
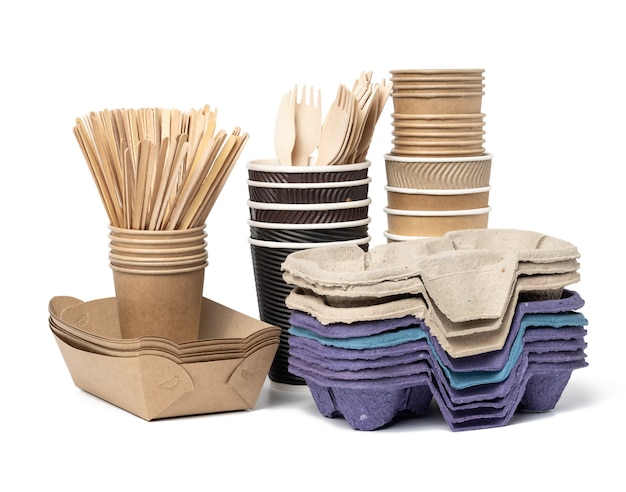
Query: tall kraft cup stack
(438,173)
(294,208)
(158,277)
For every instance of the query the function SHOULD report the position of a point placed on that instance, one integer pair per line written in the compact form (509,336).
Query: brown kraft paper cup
(164,303)
(432,223)
(413,103)
(438,173)
(421,199)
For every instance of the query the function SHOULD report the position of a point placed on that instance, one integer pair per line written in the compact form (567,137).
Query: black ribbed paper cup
(269,170)
(315,213)
(338,191)
(309,233)
(272,290)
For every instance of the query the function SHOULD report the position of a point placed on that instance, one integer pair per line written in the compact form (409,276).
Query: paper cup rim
(156,241)
(286,245)
(172,271)
(397,158)
(438,116)
(157,266)
(305,207)
(439,77)
(427,152)
(271,165)
(408,85)
(440,136)
(431,95)
(447,191)
(297,186)
(113,254)
(307,226)
(438,70)
(159,263)
(437,213)
(400,237)
(156,232)
(408,125)
(445,142)
(182,251)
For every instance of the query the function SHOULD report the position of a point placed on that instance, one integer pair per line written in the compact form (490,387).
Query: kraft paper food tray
(68,315)
(154,387)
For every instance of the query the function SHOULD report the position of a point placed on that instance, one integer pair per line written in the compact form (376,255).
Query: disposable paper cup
(183,242)
(154,252)
(432,149)
(163,263)
(407,143)
(157,235)
(333,192)
(438,173)
(272,290)
(271,171)
(438,142)
(437,102)
(158,278)
(439,118)
(299,227)
(157,240)
(159,258)
(436,79)
(186,244)
(412,86)
(356,230)
(431,223)
(438,72)
(436,135)
(441,126)
(164,303)
(423,199)
(427,152)
(282,245)
(309,213)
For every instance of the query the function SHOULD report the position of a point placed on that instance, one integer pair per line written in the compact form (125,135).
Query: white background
(554,105)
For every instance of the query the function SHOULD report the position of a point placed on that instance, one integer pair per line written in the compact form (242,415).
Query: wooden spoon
(285,129)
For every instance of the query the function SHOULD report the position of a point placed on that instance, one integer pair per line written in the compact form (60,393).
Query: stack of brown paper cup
(159,278)
(437,113)
(429,197)
(437,169)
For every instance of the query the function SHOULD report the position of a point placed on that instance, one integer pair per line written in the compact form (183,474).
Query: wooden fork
(336,128)
(308,124)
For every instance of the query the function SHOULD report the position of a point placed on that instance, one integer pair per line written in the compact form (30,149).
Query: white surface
(554,109)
